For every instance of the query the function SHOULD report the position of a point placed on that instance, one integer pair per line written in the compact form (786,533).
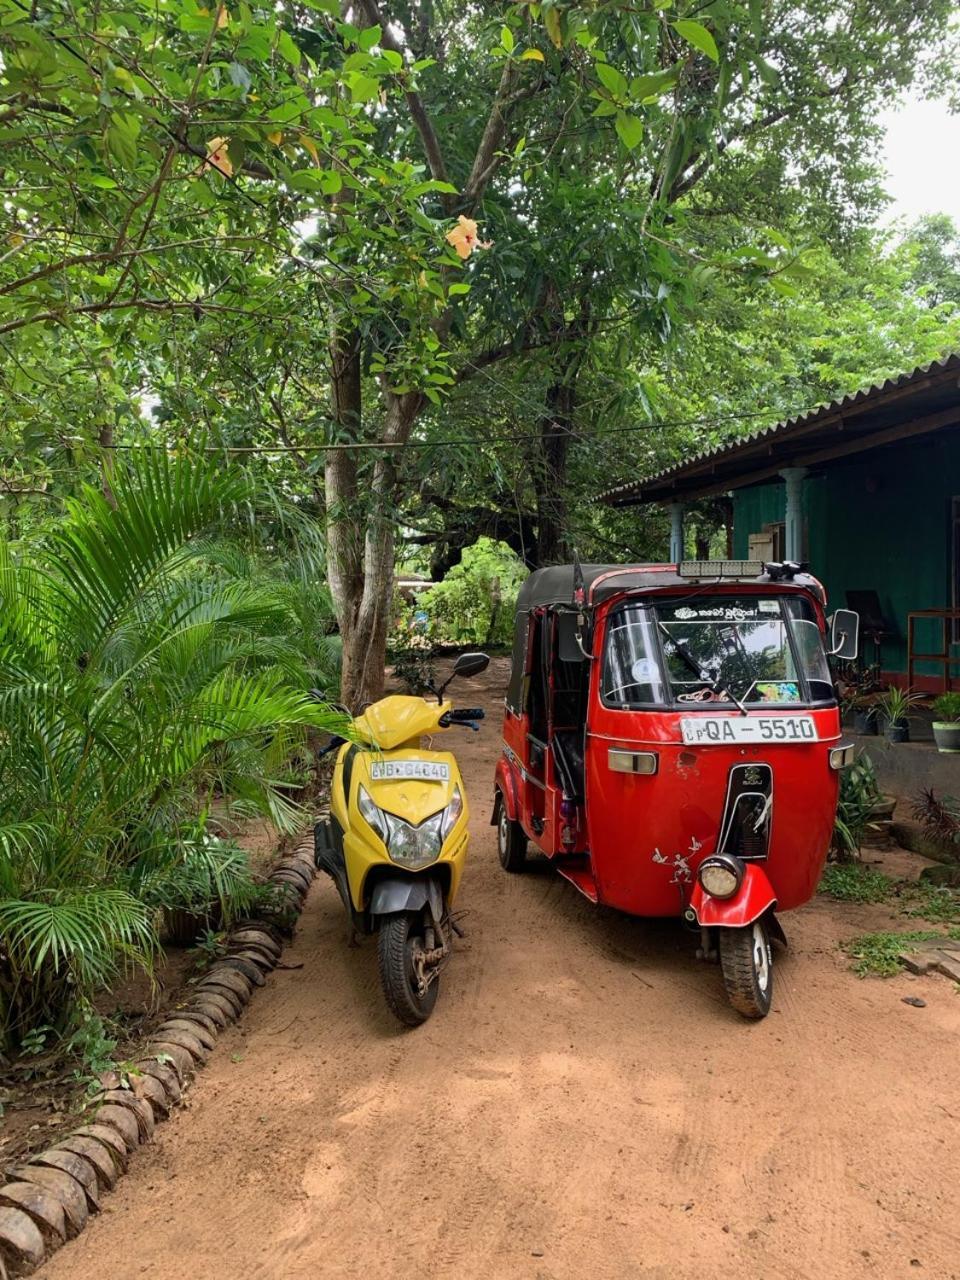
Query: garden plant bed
(55,1170)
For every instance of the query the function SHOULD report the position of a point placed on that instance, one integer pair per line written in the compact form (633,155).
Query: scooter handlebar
(461,715)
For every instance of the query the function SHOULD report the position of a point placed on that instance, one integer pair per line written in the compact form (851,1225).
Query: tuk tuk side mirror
(844,634)
(468,664)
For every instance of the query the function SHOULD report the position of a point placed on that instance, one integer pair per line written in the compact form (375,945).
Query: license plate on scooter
(702,731)
(421,770)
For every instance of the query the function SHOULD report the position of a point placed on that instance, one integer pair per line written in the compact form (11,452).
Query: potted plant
(946,723)
(864,710)
(895,706)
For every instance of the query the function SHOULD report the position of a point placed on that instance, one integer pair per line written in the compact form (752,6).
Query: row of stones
(52,1195)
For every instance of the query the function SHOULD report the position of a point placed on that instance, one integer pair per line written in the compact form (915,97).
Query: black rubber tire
(394,951)
(511,840)
(749,981)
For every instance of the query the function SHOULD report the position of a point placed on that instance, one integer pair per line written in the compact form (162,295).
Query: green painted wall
(880,523)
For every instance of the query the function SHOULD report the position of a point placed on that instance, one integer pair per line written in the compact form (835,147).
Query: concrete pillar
(793,511)
(676,531)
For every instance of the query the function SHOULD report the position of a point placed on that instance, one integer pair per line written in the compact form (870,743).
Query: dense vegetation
(151,693)
(384,281)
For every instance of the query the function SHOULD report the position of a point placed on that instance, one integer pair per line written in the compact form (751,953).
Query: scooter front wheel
(401,940)
(747,964)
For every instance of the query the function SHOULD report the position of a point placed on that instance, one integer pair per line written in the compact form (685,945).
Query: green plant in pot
(864,711)
(946,723)
(895,706)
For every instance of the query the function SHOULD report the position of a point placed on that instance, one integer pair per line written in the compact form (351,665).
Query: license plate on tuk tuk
(699,731)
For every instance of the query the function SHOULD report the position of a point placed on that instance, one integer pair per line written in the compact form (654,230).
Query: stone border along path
(54,1193)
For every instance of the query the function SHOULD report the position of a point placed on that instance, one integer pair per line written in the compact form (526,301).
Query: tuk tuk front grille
(748,812)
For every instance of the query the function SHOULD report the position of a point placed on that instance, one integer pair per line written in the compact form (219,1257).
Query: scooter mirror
(470,664)
(844,634)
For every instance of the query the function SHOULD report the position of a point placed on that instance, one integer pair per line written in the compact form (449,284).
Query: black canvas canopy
(554,585)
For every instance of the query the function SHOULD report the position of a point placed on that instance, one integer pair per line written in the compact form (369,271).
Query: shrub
(144,677)
(946,708)
(859,795)
(475,602)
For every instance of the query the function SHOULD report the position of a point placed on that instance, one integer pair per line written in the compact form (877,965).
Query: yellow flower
(463,238)
(217,157)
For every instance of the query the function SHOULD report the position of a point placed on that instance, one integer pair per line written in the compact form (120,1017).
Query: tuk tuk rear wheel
(747,965)
(511,840)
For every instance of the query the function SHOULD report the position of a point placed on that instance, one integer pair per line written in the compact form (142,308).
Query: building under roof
(866,488)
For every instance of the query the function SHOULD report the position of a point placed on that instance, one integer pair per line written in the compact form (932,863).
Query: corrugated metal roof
(863,402)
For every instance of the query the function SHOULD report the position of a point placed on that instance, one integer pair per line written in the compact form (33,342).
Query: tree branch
(486,160)
(418,112)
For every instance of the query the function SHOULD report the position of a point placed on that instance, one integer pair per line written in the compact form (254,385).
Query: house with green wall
(867,491)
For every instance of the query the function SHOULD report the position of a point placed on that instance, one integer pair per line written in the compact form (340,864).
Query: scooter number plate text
(424,770)
(706,730)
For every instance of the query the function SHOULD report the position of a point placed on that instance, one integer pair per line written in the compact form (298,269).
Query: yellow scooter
(396,838)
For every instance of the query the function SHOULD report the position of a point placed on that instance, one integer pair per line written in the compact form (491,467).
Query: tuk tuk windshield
(755,649)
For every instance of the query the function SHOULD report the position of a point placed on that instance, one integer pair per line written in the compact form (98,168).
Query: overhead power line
(505,438)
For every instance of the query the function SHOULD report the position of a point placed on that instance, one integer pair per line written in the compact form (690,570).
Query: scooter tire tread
(392,962)
(513,858)
(739,975)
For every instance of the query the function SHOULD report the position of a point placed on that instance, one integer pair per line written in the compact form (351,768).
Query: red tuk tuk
(672,742)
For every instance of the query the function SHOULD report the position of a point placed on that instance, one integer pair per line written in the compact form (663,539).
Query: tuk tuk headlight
(720,876)
(411,846)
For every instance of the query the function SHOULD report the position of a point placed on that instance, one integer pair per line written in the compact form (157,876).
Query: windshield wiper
(701,673)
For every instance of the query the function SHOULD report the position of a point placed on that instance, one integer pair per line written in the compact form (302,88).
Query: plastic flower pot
(865,722)
(897,731)
(946,734)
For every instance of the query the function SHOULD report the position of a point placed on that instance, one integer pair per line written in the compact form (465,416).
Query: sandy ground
(582,1104)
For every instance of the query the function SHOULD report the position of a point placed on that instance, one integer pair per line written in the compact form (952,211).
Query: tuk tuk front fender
(754,897)
(505,784)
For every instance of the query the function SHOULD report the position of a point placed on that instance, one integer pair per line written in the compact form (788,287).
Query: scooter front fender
(407,893)
(752,900)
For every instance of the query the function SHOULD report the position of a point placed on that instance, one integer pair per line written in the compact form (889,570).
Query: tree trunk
(551,473)
(107,460)
(361,531)
(344,538)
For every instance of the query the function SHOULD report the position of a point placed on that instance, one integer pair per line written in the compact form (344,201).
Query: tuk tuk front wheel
(747,965)
(399,945)
(511,840)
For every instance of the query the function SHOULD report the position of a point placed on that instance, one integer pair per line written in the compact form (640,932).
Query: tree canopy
(447,271)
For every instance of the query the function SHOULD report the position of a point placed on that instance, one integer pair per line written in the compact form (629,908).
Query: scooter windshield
(753,650)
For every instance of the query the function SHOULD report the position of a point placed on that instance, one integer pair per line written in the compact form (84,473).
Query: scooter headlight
(720,876)
(412,847)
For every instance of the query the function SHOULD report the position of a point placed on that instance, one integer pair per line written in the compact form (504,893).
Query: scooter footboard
(752,900)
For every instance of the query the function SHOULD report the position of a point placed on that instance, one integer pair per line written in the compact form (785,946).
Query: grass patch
(853,882)
(935,902)
(879,954)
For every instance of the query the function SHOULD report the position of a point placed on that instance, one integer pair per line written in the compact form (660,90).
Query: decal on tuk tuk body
(705,730)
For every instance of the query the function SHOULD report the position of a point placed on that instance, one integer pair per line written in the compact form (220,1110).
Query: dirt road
(582,1104)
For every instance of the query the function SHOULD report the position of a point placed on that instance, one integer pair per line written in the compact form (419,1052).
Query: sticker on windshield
(777,691)
(643,671)
(768,606)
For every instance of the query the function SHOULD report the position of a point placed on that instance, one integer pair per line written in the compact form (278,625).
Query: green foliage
(475,602)
(896,704)
(859,795)
(939,816)
(413,664)
(853,882)
(946,708)
(878,954)
(145,675)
